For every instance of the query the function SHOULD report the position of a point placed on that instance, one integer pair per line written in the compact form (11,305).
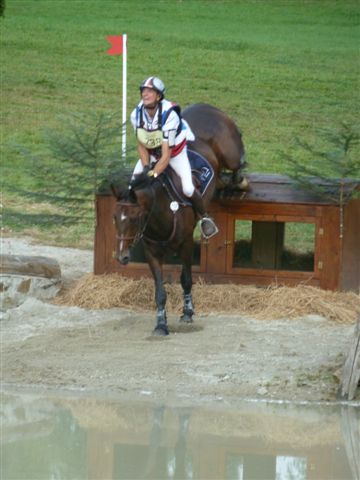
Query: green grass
(279,69)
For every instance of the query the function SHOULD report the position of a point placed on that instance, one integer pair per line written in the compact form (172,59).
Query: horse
(150,210)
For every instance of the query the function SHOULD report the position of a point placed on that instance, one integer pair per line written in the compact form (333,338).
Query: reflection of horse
(148,210)
(157,464)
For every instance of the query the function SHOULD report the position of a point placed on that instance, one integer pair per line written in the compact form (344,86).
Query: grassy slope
(279,69)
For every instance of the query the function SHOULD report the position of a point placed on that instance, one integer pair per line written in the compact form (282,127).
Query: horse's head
(128,220)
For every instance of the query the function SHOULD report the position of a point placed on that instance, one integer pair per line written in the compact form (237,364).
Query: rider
(162,135)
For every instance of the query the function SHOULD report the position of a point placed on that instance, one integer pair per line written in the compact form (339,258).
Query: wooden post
(267,244)
(351,371)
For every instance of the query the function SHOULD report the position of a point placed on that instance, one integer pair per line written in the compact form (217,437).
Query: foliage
(278,69)
(79,160)
(331,167)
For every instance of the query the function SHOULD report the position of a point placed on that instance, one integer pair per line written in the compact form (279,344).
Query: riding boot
(207,224)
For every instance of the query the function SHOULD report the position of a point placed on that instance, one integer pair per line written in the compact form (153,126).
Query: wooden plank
(350,259)
(105,234)
(282,189)
(267,244)
(216,247)
(328,249)
(265,209)
(351,371)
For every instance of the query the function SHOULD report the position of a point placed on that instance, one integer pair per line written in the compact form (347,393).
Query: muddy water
(47,436)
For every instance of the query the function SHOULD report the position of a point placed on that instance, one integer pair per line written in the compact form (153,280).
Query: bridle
(143,221)
(140,230)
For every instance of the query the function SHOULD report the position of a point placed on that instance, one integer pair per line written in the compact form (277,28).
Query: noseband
(142,224)
(143,221)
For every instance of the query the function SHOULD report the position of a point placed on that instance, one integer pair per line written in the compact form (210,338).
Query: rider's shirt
(166,126)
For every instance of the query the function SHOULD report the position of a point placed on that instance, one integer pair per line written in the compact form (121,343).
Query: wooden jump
(272,203)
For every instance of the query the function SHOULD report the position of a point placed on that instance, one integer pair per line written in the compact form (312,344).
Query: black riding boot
(207,224)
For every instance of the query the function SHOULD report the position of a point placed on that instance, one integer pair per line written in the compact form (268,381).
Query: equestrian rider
(162,135)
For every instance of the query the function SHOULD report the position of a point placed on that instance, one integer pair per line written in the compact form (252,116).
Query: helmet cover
(155,84)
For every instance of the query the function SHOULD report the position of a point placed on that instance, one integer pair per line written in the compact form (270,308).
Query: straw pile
(274,302)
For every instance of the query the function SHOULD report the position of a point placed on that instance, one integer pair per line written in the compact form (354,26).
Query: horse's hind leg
(186,283)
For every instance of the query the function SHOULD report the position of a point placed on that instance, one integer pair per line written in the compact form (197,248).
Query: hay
(274,302)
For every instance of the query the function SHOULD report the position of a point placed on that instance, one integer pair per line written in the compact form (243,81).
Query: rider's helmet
(156,84)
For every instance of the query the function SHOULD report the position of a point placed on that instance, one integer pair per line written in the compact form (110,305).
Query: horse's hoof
(161,331)
(244,184)
(186,318)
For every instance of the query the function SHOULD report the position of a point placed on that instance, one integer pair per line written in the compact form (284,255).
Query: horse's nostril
(124,260)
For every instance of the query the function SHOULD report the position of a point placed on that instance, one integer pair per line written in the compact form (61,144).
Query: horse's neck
(159,215)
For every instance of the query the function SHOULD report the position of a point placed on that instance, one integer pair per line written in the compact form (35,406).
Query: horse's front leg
(161,327)
(186,283)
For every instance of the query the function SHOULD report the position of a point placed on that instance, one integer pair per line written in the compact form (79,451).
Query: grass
(279,69)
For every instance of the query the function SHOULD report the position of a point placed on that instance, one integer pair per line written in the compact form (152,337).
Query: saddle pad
(201,169)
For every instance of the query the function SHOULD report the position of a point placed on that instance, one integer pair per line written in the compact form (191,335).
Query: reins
(164,242)
(173,232)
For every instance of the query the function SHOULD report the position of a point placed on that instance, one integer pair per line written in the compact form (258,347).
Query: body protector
(167,125)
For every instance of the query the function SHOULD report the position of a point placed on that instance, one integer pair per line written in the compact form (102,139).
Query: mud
(218,358)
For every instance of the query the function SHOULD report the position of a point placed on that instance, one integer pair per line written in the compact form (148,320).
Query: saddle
(202,174)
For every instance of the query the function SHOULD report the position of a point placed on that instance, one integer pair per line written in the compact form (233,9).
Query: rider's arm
(163,161)
(143,154)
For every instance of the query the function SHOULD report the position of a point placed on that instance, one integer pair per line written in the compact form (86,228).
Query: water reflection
(46,437)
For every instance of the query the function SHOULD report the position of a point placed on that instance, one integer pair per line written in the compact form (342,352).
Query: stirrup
(208,227)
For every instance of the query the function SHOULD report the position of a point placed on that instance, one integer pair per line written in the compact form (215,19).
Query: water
(68,437)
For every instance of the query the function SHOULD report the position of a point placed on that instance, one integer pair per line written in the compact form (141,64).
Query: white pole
(124,84)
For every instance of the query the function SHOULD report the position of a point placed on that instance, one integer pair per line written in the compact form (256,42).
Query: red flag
(116,42)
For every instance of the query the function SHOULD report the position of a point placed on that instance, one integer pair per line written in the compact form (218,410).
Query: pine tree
(80,159)
(331,169)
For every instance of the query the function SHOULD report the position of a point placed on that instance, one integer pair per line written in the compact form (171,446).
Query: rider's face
(149,97)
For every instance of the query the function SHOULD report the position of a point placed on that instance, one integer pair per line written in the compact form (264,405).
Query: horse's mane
(141,181)
(124,194)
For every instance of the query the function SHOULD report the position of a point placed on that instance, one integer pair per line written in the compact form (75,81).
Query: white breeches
(182,167)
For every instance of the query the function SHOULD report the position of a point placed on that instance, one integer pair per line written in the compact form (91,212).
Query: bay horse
(148,210)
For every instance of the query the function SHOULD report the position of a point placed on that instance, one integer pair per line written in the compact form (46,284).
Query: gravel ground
(218,358)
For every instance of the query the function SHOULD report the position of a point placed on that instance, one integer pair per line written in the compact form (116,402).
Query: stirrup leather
(208,227)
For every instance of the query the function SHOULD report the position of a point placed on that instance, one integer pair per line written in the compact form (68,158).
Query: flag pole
(124,96)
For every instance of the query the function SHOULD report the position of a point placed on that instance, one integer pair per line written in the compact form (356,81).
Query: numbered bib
(150,139)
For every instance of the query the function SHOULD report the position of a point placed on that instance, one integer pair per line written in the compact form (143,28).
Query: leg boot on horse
(186,283)
(207,225)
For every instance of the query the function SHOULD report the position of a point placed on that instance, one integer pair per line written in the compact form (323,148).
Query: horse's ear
(116,191)
(132,196)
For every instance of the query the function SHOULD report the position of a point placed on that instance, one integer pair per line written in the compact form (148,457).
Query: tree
(2,8)
(330,169)
(79,160)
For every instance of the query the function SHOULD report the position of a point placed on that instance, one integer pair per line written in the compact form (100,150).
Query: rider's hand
(146,169)
(152,174)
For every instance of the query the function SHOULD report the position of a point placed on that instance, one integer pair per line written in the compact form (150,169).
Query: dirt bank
(219,357)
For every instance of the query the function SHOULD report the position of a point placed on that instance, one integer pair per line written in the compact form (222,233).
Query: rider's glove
(146,169)
(151,173)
